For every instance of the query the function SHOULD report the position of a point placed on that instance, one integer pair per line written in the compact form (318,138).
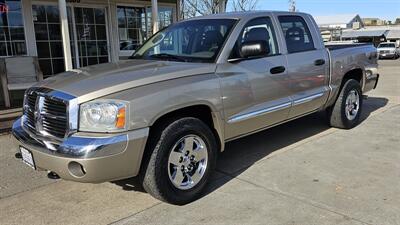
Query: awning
(363,33)
(393,34)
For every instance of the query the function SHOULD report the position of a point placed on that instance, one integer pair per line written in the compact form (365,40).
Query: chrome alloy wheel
(352,105)
(187,162)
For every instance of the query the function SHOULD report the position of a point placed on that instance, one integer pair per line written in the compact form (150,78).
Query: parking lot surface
(302,172)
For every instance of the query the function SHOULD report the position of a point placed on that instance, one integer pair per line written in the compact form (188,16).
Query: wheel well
(356,74)
(201,112)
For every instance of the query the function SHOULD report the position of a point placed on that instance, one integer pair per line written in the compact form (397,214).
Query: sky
(383,9)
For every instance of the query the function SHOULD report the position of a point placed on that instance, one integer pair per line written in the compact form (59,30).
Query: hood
(100,80)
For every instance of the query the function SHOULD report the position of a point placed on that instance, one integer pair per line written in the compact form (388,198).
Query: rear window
(386,46)
(297,35)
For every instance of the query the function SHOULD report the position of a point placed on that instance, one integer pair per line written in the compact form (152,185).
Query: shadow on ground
(243,153)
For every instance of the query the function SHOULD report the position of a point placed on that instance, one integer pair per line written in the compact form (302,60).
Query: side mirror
(252,49)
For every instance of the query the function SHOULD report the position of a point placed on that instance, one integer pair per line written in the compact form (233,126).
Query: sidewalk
(7,117)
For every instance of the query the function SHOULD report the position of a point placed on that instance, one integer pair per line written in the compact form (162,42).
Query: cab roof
(244,15)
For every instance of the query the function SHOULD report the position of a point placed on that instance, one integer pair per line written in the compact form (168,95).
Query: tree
(192,8)
(187,11)
(244,5)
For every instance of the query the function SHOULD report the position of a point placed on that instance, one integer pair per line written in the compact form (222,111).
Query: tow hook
(18,155)
(52,175)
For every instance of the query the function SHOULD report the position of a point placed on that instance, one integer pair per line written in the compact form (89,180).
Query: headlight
(103,116)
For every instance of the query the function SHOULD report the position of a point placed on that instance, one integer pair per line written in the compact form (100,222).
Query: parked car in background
(388,50)
(165,114)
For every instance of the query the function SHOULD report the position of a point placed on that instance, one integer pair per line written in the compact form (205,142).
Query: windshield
(386,46)
(189,41)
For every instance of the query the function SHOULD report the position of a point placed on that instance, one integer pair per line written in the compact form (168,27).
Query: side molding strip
(307,99)
(246,116)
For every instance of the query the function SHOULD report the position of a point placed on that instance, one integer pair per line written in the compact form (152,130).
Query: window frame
(278,49)
(23,17)
(306,29)
(121,52)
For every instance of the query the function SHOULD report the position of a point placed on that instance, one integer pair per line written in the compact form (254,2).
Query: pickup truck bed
(335,46)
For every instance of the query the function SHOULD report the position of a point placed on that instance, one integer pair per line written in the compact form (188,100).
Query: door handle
(278,69)
(319,62)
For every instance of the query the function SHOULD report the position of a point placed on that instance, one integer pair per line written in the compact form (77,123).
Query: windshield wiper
(168,56)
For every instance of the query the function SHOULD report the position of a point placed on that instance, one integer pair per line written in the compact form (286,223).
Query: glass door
(91,35)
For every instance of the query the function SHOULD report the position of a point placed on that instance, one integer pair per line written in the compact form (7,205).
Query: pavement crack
(32,189)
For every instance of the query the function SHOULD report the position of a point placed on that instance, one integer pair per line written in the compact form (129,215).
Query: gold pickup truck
(165,113)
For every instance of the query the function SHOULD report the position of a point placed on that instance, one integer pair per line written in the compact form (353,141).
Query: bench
(18,73)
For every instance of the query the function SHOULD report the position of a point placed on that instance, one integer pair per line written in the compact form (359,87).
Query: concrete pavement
(302,172)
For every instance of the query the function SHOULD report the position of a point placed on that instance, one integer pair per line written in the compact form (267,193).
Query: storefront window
(91,35)
(165,18)
(131,27)
(89,44)
(12,34)
(134,25)
(48,39)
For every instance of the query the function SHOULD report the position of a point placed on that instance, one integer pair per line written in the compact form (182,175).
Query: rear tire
(172,174)
(346,111)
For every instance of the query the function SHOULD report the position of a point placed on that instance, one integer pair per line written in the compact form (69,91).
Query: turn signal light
(121,118)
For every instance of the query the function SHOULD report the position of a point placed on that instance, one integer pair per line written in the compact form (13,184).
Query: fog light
(76,169)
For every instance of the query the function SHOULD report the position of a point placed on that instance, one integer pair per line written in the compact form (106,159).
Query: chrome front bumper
(86,157)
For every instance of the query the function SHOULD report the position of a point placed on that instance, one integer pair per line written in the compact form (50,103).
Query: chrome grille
(384,51)
(48,119)
(54,119)
(29,111)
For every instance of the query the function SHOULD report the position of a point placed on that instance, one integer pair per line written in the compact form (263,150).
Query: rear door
(308,63)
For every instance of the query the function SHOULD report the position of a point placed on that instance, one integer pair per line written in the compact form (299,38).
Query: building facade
(100,31)
(373,22)
(345,21)
(332,26)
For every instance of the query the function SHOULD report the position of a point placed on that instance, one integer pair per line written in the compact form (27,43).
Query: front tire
(182,160)
(346,111)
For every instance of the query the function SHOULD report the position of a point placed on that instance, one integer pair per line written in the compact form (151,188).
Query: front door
(88,35)
(255,92)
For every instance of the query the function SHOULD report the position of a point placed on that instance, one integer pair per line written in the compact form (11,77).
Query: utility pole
(292,5)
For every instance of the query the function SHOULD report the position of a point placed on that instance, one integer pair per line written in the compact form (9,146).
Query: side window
(297,35)
(260,29)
